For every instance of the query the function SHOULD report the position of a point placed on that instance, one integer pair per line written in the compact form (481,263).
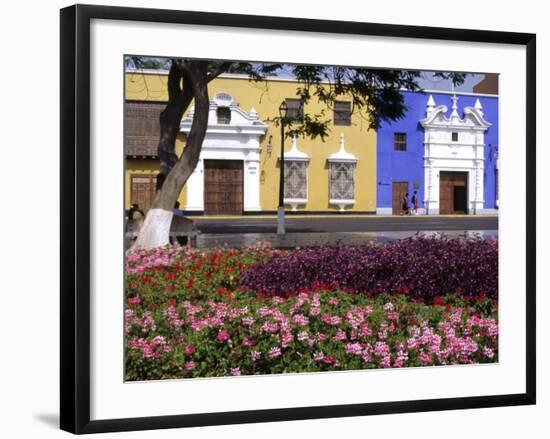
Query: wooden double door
(453,192)
(223,187)
(399,189)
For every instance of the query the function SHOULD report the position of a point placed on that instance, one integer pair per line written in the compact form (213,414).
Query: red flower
(481,298)
(403,290)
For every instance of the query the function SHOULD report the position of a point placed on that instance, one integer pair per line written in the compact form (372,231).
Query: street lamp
(283,110)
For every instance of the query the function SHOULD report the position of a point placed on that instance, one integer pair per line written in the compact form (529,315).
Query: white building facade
(233,135)
(454,151)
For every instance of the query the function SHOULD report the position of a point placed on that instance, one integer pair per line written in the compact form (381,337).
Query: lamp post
(283,110)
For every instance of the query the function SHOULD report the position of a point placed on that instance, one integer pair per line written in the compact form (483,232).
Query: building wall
(139,166)
(265,97)
(409,165)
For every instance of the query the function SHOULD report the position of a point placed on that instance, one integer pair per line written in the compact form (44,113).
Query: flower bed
(424,268)
(186,316)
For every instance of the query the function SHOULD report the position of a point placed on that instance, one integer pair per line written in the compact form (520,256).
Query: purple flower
(420,267)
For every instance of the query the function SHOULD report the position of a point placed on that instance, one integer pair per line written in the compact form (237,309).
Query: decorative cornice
(295,154)
(342,156)
(242,122)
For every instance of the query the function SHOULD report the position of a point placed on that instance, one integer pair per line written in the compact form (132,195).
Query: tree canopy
(375,94)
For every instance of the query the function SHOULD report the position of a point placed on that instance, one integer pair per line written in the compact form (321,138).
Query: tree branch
(218,70)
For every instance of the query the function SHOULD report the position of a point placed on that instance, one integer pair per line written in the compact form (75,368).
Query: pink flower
(329,359)
(366,357)
(189,365)
(223,336)
(286,338)
(300,320)
(254,355)
(318,356)
(488,352)
(314,311)
(264,311)
(385,362)
(133,301)
(235,371)
(274,352)
(393,315)
(320,337)
(247,343)
(189,350)
(354,348)
(381,349)
(331,320)
(365,330)
(148,322)
(333,301)
(270,327)
(340,335)
(424,358)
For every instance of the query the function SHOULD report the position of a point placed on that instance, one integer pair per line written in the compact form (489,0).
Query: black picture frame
(75,217)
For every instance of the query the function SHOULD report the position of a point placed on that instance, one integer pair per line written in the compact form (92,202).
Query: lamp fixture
(283,110)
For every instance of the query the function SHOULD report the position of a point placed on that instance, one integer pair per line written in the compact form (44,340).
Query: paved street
(352,223)
(315,230)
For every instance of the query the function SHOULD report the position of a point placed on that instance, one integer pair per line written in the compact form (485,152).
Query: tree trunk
(178,101)
(156,227)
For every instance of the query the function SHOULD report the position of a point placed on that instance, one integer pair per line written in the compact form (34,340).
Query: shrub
(423,268)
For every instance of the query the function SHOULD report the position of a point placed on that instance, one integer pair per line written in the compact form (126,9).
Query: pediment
(240,120)
(439,120)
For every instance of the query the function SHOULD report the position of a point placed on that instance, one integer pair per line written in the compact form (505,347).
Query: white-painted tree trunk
(156,229)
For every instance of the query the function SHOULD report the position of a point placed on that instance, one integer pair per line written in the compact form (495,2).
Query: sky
(429,83)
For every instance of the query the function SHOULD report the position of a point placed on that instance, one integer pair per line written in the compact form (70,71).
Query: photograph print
(287,218)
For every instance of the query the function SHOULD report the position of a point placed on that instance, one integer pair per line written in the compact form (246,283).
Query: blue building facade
(446,149)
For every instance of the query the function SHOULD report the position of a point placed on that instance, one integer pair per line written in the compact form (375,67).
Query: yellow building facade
(240,163)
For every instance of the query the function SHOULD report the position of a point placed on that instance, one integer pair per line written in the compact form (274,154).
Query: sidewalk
(336,215)
(292,240)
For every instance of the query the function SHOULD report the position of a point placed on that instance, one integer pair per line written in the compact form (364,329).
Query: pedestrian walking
(414,202)
(405,207)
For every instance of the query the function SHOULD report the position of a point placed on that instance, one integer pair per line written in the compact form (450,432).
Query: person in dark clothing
(405,204)
(415,203)
(135,213)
